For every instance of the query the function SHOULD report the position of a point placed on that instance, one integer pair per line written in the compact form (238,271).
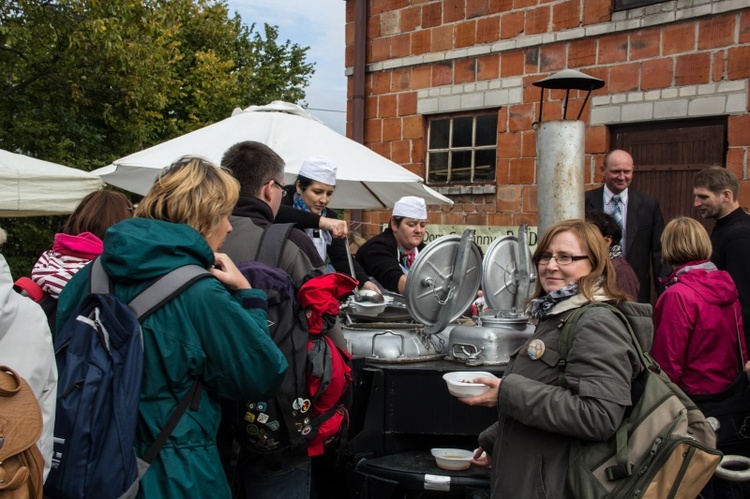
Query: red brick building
(430,79)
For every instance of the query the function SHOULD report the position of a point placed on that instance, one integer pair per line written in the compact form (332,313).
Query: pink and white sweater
(68,255)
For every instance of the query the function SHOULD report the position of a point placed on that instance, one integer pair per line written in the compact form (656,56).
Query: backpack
(307,410)
(663,448)
(21,463)
(99,355)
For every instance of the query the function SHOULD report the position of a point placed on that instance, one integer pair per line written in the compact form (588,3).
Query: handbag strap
(739,338)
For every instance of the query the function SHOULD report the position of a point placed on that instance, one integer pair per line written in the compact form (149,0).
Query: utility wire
(326,110)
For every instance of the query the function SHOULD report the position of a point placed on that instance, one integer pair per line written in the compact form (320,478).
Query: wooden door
(668,154)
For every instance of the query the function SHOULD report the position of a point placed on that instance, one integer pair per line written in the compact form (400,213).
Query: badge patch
(535,350)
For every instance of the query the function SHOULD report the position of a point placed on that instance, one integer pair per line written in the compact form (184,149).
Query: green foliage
(85,82)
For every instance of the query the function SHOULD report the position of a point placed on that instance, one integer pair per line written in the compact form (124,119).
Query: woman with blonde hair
(214,331)
(538,418)
(699,339)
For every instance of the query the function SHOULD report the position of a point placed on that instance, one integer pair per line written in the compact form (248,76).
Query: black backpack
(278,429)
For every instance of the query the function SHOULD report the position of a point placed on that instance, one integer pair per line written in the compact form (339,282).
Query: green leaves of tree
(87,81)
(84,82)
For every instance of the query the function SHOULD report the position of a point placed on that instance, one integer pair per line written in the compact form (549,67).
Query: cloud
(318,24)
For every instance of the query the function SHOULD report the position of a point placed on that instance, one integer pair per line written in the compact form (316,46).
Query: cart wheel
(734,468)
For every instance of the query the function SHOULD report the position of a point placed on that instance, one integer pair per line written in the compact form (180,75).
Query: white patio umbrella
(365,180)
(30,187)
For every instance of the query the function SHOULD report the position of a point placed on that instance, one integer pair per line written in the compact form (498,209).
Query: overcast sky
(318,24)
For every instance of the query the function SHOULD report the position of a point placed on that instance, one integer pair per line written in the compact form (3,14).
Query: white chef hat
(410,207)
(319,169)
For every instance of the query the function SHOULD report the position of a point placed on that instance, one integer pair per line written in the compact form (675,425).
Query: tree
(85,82)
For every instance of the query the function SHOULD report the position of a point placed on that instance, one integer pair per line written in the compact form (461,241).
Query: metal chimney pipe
(560,179)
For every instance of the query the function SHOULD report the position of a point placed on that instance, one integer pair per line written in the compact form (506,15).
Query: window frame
(620,5)
(473,148)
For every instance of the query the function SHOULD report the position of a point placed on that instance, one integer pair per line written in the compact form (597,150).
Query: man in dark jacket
(388,256)
(715,192)
(638,215)
(260,171)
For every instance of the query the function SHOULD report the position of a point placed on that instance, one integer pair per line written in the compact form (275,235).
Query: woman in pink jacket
(80,240)
(698,322)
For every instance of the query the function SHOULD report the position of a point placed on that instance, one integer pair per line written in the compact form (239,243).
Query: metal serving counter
(401,405)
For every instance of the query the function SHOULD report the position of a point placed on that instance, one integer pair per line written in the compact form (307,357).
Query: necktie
(617,214)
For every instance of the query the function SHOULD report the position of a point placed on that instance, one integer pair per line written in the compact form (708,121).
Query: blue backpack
(99,354)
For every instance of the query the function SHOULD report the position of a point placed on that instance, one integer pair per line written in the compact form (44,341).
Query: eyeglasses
(283,191)
(560,259)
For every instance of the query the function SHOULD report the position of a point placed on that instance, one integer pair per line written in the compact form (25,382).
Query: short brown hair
(97,212)
(717,179)
(253,164)
(192,191)
(684,240)
(602,272)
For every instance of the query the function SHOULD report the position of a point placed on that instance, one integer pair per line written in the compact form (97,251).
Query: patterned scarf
(541,307)
(614,251)
(300,205)
(406,259)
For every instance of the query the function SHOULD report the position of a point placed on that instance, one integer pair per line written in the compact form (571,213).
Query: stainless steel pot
(490,342)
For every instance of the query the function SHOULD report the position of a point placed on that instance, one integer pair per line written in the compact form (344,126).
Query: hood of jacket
(713,285)
(84,245)
(141,249)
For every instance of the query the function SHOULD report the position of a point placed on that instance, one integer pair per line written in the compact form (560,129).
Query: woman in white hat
(388,256)
(312,192)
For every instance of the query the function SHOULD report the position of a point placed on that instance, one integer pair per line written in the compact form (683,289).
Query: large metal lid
(432,284)
(508,273)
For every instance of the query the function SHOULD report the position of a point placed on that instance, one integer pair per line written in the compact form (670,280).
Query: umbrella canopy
(365,180)
(30,187)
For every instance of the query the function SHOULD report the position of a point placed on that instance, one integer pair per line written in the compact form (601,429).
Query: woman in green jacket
(215,330)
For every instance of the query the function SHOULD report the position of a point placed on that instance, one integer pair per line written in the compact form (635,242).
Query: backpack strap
(164,289)
(272,243)
(190,399)
(99,281)
(159,292)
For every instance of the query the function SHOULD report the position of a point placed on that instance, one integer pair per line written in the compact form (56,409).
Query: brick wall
(678,59)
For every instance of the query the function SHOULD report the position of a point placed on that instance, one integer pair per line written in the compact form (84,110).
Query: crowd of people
(216,331)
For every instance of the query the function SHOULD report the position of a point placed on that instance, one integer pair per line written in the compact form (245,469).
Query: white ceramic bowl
(460,383)
(452,459)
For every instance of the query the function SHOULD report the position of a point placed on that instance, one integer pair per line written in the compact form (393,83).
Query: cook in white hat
(388,256)
(314,188)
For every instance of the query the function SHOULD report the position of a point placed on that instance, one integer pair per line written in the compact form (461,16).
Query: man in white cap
(388,257)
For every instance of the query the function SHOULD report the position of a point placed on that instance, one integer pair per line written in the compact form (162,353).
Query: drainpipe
(358,94)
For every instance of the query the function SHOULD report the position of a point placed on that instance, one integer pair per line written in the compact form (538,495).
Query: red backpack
(328,371)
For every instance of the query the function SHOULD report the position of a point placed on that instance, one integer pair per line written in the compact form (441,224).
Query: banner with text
(483,237)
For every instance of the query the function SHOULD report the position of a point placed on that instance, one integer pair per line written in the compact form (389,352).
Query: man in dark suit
(639,216)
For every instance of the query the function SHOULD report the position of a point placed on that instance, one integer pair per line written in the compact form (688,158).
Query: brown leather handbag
(21,463)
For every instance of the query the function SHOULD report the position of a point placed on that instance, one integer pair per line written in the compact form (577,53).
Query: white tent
(30,187)
(365,179)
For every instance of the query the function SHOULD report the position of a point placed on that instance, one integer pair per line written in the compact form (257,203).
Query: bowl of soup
(452,459)
(461,383)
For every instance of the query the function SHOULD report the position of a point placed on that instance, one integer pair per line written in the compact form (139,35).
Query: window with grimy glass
(461,149)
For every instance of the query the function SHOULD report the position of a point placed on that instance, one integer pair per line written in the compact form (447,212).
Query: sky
(318,24)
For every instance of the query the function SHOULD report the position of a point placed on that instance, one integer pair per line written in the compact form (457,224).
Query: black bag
(730,409)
